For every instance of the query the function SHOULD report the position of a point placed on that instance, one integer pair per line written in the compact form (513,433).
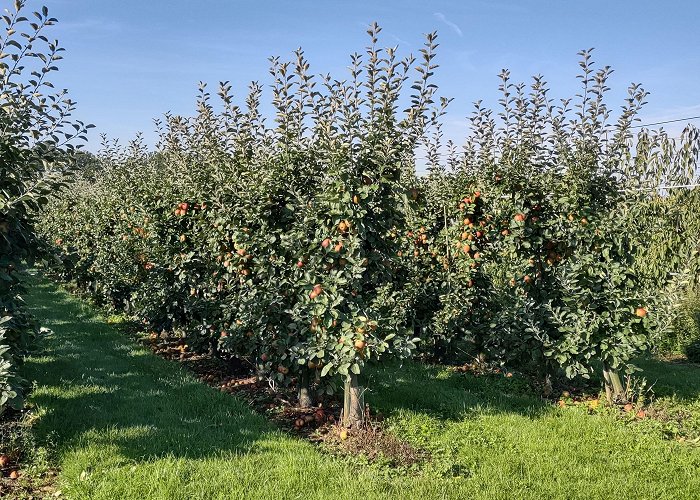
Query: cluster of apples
(473,231)
(343,228)
(184,207)
(420,240)
(244,258)
(316,291)
(4,462)
(319,417)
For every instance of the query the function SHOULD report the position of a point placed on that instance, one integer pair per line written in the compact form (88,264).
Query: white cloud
(93,25)
(441,17)
(401,41)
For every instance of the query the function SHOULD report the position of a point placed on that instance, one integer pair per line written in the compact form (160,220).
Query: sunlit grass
(124,423)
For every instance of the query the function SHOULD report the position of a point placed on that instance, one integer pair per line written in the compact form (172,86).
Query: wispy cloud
(441,17)
(92,25)
(400,40)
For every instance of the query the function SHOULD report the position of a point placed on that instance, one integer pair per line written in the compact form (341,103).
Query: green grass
(123,423)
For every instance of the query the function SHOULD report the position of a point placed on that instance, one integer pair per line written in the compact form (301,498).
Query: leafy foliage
(34,154)
(278,244)
(311,247)
(560,192)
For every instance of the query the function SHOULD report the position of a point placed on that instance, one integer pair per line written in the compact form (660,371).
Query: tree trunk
(306,399)
(547,386)
(613,386)
(439,351)
(354,404)
(213,347)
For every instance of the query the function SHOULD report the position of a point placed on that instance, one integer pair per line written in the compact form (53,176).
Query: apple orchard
(309,246)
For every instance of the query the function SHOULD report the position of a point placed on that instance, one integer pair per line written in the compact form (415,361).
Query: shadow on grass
(437,391)
(95,386)
(671,378)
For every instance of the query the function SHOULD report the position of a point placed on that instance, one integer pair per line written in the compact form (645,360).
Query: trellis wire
(658,188)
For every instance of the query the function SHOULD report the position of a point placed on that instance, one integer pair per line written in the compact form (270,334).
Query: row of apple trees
(35,148)
(671,248)
(307,244)
(556,236)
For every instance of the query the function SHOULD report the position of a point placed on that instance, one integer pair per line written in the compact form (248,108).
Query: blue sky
(128,62)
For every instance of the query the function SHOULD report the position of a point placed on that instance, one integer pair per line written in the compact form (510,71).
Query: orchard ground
(120,422)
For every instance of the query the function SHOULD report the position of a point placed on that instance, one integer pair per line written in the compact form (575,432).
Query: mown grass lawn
(123,423)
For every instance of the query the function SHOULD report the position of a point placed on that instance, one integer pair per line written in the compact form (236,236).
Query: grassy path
(123,423)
